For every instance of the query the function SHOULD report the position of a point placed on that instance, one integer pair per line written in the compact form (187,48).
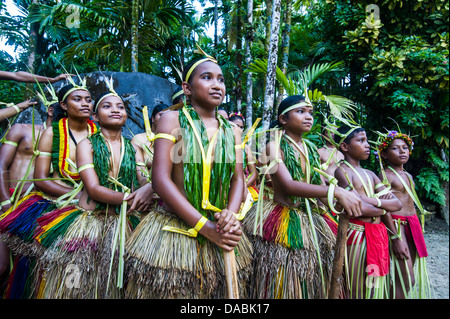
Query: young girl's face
(397,153)
(239,123)
(111,112)
(299,120)
(207,86)
(155,119)
(78,104)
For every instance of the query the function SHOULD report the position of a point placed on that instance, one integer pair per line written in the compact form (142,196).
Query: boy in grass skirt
(293,245)
(55,148)
(367,264)
(84,258)
(408,250)
(176,250)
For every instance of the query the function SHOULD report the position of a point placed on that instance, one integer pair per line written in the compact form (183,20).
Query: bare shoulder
(168,122)
(18,131)
(139,139)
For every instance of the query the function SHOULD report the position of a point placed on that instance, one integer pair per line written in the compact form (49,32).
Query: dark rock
(137,89)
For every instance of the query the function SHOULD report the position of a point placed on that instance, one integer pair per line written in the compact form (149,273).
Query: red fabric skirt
(377,242)
(414,233)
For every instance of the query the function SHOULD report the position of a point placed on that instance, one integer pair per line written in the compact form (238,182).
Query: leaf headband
(112,92)
(207,58)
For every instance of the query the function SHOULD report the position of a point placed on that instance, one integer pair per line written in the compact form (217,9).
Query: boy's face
(397,153)
(111,112)
(78,104)
(299,120)
(358,148)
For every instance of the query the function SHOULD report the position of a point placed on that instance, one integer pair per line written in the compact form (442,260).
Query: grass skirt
(361,279)
(76,264)
(162,264)
(18,226)
(285,260)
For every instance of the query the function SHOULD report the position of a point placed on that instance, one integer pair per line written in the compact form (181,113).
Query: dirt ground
(437,240)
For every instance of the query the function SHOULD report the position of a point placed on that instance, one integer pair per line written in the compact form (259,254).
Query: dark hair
(235,116)
(344,129)
(62,91)
(188,66)
(179,98)
(287,102)
(58,112)
(158,108)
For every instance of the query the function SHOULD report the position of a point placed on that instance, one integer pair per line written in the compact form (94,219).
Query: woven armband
(10,143)
(44,154)
(166,136)
(82,168)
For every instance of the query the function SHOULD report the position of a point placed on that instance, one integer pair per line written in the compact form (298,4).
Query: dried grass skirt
(162,264)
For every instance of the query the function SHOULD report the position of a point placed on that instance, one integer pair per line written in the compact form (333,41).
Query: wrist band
(16,108)
(192,232)
(6,202)
(378,202)
(396,236)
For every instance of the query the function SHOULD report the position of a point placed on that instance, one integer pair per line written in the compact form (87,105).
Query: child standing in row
(367,242)
(176,251)
(408,246)
(292,242)
(94,231)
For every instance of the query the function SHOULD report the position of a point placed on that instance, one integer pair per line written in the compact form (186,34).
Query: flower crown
(236,114)
(390,137)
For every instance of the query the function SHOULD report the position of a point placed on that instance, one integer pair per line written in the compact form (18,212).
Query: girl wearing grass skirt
(176,250)
(85,259)
(57,148)
(293,245)
(407,244)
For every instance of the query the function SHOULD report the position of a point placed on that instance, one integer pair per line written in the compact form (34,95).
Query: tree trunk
(248,60)
(285,49)
(238,90)
(32,46)
(216,25)
(271,64)
(134,35)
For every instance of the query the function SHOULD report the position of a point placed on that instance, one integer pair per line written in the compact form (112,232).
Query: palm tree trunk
(134,35)
(216,24)
(285,48)
(271,64)
(32,45)
(238,91)
(248,60)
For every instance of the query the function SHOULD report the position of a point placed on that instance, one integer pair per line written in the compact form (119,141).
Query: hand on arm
(142,197)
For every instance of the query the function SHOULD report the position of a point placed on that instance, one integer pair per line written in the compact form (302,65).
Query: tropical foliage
(388,59)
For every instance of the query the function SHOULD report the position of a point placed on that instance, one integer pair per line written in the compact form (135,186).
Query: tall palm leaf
(302,81)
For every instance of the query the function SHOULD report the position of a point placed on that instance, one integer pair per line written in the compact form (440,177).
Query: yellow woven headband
(177,94)
(192,68)
(72,90)
(104,96)
(304,103)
